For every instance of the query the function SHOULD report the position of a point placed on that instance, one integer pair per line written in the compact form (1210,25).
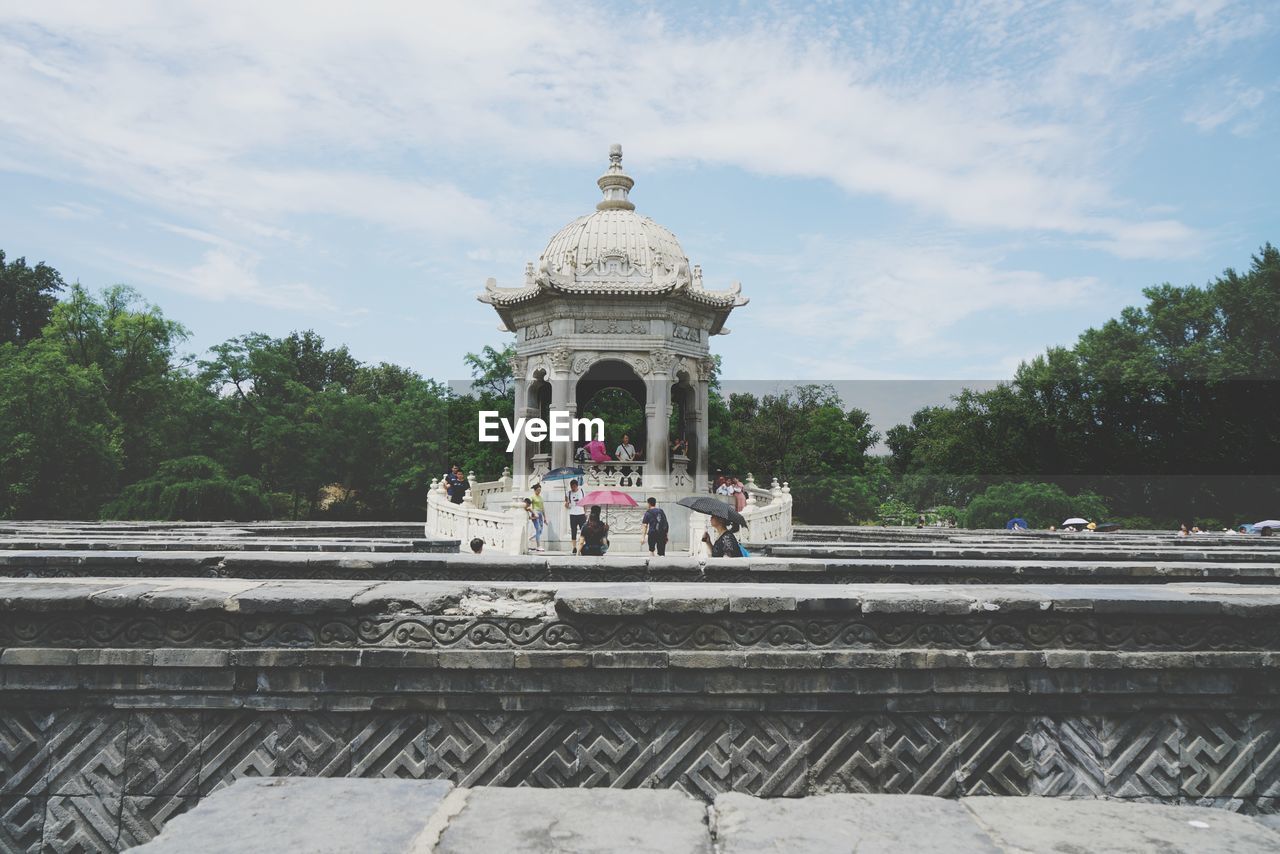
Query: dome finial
(615,184)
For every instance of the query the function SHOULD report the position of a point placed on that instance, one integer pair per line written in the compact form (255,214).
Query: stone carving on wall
(534,331)
(641,364)
(610,326)
(518,365)
(686,333)
(560,358)
(583,363)
(662,360)
(706,368)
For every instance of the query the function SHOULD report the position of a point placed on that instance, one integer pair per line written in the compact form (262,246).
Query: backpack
(662,526)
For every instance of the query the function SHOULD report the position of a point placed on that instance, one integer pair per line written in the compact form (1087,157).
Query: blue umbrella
(565,473)
(1016,522)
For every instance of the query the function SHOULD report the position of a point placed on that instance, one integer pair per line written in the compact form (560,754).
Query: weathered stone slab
(838,824)
(577,821)
(333,816)
(1118,827)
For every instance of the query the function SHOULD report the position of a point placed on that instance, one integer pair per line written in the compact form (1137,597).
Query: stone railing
(614,475)
(501,529)
(770,521)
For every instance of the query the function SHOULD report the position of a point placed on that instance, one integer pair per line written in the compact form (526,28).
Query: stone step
(418,817)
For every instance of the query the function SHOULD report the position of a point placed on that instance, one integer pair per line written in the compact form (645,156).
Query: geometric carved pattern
(271,744)
(870,631)
(114,777)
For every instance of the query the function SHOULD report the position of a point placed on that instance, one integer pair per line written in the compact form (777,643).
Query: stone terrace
(144,679)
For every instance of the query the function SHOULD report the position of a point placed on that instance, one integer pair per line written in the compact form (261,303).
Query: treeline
(1170,412)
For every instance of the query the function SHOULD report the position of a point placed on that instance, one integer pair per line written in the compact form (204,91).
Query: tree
(27,298)
(192,488)
(1041,504)
(61,451)
(133,347)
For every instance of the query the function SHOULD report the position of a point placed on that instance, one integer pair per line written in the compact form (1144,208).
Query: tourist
(1183,530)
(537,515)
(595,535)
(581,455)
(738,493)
(920,521)
(477,545)
(680,447)
(596,451)
(655,528)
(577,514)
(723,487)
(455,484)
(726,541)
(625,452)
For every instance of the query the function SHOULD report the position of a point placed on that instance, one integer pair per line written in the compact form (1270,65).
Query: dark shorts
(658,543)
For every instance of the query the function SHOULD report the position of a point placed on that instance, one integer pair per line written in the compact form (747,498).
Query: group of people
(732,489)
(596,452)
(587,531)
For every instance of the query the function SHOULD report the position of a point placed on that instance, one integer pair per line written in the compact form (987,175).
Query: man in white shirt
(577,513)
(626,452)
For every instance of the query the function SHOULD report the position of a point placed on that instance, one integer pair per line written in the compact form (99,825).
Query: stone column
(562,400)
(521,455)
(701,405)
(658,429)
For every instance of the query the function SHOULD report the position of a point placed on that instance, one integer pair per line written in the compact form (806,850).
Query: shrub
(1041,504)
(191,489)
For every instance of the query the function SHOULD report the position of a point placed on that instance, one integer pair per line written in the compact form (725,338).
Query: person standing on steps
(655,528)
(577,514)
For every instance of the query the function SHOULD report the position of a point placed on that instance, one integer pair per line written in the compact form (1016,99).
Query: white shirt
(575,503)
(625,452)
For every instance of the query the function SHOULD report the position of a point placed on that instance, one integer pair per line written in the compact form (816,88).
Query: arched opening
(684,418)
(613,392)
(540,402)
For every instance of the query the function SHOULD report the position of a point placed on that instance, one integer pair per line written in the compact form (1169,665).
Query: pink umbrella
(608,498)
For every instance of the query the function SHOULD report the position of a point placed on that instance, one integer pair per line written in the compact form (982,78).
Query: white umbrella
(1273,524)
(1076,520)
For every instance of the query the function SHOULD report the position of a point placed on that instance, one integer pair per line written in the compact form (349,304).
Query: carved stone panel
(611,326)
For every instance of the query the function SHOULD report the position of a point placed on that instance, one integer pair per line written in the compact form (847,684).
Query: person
(581,455)
(1266,531)
(655,528)
(738,493)
(477,545)
(920,521)
(680,447)
(625,452)
(595,535)
(726,541)
(455,483)
(577,514)
(723,487)
(537,515)
(1183,530)
(595,449)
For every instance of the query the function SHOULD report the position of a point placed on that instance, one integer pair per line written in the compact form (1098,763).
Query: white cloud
(239,112)
(871,304)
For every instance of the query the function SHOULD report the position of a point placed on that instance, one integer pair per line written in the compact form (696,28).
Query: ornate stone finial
(615,184)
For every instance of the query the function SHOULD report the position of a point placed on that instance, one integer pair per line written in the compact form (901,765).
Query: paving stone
(577,821)
(335,816)
(838,824)
(1117,827)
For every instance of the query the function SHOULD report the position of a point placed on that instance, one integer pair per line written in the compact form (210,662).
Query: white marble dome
(615,248)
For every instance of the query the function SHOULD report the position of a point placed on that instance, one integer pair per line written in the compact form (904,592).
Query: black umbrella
(713,507)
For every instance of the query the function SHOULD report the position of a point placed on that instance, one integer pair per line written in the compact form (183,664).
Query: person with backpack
(655,528)
(595,535)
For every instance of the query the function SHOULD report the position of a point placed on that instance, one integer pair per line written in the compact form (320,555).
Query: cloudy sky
(921,191)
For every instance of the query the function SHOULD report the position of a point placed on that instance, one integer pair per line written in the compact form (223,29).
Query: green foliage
(1171,410)
(806,437)
(895,511)
(27,298)
(61,452)
(1041,504)
(191,489)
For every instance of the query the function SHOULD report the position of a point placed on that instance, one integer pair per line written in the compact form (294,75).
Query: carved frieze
(610,326)
(681,332)
(534,331)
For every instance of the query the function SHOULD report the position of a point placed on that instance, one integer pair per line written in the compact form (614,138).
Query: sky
(906,191)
